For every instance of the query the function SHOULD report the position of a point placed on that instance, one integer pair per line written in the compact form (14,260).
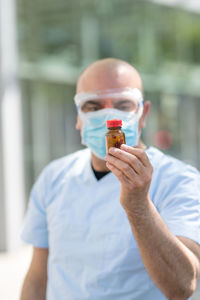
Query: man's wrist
(139,209)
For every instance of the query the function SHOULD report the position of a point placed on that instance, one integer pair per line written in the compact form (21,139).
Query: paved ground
(13,267)
(196,296)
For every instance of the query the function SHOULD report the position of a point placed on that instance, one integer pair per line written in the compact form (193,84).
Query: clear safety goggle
(126,99)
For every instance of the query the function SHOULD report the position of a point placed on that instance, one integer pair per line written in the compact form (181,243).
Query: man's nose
(108,104)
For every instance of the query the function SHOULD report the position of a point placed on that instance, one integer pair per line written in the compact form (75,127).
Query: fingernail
(124,146)
(112,150)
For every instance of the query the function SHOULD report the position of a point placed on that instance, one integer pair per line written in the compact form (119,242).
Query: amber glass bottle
(114,136)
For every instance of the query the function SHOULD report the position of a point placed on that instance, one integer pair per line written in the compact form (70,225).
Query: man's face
(103,76)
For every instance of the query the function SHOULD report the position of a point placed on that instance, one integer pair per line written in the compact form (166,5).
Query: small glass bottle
(114,136)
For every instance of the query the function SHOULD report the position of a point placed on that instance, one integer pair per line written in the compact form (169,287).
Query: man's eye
(90,107)
(125,106)
(94,108)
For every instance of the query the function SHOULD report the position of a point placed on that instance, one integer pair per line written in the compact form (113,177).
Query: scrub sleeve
(180,203)
(35,229)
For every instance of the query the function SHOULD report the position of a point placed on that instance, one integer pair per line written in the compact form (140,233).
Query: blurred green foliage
(144,33)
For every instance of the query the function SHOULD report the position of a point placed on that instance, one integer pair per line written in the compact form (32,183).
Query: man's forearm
(32,290)
(169,262)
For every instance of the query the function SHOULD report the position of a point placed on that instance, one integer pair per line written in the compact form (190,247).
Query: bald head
(109,73)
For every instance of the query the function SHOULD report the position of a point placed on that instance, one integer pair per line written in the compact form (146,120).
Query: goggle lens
(120,104)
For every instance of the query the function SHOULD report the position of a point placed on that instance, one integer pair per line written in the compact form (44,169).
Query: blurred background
(44,45)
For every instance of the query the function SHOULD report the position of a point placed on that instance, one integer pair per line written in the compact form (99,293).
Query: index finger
(138,152)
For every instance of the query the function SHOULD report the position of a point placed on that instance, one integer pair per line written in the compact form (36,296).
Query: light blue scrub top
(92,251)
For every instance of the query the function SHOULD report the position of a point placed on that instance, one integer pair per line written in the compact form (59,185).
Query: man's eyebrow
(91,102)
(123,101)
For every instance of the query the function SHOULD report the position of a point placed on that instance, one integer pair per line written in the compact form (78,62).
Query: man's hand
(170,262)
(134,170)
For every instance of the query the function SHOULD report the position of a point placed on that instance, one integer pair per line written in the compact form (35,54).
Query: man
(132,233)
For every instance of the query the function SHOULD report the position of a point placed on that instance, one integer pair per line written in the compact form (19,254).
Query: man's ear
(78,123)
(146,109)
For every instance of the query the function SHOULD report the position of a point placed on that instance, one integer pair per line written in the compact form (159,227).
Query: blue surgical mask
(94,128)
